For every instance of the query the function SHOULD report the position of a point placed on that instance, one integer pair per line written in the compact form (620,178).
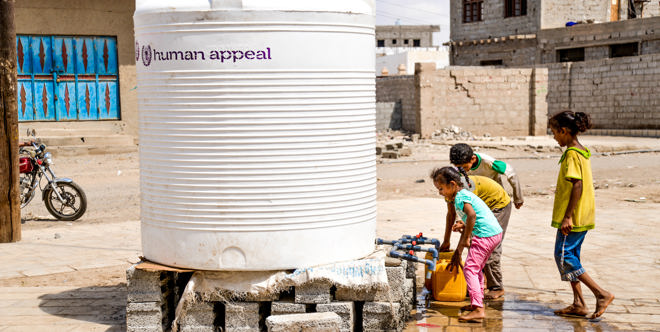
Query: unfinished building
(601,56)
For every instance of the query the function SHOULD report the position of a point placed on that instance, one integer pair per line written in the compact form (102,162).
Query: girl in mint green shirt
(478,221)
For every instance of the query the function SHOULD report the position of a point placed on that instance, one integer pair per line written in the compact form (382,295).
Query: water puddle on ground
(508,314)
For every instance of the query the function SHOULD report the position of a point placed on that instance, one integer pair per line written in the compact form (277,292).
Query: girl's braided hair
(467,179)
(575,122)
(446,175)
(460,153)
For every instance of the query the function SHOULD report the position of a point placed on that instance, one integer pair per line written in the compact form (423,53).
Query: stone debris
(453,133)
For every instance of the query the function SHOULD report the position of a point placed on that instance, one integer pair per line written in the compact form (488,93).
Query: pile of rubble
(393,150)
(453,133)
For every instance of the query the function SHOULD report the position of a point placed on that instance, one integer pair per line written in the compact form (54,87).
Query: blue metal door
(64,69)
(63,78)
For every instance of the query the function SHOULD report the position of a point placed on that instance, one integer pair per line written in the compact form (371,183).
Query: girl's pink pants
(480,250)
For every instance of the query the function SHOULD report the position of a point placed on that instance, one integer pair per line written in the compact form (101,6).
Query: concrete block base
(345,310)
(377,316)
(154,294)
(317,321)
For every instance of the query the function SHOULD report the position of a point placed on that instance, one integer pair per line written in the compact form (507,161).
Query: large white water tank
(257,132)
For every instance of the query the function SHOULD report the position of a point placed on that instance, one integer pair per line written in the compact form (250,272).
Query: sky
(416,12)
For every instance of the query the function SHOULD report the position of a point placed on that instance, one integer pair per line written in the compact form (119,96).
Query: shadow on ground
(104,305)
(510,314)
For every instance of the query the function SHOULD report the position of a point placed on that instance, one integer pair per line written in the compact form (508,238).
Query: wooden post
(10,213)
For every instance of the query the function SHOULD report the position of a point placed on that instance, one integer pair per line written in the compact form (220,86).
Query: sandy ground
(111,183)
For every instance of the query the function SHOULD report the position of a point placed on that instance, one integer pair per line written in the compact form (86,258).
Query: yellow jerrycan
(444,285)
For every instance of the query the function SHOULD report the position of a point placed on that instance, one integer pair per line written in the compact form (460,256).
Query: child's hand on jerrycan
(455,262)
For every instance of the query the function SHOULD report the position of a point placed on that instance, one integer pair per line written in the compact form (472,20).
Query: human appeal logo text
(150,55)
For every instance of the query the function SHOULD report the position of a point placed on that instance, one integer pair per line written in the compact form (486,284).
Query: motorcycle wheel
(75,201)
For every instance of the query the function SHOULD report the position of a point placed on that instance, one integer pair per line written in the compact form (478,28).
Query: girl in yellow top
(574,211)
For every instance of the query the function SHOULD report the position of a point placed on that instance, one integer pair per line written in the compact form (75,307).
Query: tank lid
(343,6)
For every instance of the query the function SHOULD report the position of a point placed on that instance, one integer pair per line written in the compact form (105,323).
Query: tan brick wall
(399,89)
(498,101)
(619,93)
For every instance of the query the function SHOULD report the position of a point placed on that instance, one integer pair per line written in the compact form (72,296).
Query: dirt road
(111,183)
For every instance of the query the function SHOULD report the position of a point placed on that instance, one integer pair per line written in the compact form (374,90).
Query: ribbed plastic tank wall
(257,132)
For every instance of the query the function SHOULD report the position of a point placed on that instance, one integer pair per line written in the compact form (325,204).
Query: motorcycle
(64,199)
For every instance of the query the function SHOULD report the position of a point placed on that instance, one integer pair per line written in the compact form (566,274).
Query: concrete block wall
(497,101)
(388,115)
(597,52)
(647,9)
(555,14)
(651,46)
(153,295)
(596,38)
(494,24)
(406,32)
(151,298)
(513,52)
(399,89)
(618,93)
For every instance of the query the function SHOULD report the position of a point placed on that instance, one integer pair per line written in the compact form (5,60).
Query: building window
(472,10)
(629,49)
(380,43)
(416,43)
(393,41)
(491,62)
(571,54)
(405,41)
(515,8)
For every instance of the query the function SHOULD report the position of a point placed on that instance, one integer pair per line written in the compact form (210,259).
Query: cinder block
(405,151)
(352,294)
(199,317)
(286,307)
(313,292)
(408,301)
(241,316)
(381,316)
(242,297)
(143,286)
(345,310)
(314,321)
(411,269)
(144,316)
(390,155)
(395,278)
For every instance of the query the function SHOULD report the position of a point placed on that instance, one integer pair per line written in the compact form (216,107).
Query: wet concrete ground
(513,313)
(622,259)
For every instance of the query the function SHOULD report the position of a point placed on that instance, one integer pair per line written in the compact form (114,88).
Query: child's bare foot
(601,304)
(468,307)
(475,316)
(572,311)
(494,294)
